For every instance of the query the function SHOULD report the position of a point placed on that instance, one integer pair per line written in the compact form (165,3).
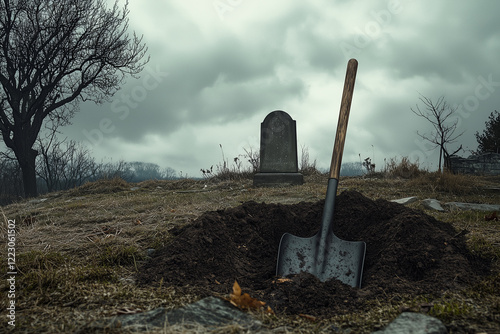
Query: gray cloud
(224,76)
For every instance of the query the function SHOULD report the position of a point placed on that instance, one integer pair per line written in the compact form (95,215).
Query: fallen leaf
(236,290)
(308,317)
(245,301)
(282,280)
(493,217)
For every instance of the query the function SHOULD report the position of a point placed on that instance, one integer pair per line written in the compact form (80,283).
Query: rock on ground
(406,200)
(432,204)
(414,323)
(209,313)
(472,206)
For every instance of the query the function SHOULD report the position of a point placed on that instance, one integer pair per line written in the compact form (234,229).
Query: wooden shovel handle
(345,107)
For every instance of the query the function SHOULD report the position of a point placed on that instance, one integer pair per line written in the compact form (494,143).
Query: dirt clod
(408,252)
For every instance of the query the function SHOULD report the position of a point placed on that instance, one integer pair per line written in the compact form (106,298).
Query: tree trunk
(27,163)
(440,155)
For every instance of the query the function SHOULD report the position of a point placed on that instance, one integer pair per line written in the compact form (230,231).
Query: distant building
(482,164)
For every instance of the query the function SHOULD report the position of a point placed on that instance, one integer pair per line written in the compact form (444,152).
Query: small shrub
(230,172)
(370,167)
(453,183)
(404,169)
(307,167)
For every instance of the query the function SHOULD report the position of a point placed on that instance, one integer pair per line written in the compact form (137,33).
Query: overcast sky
(217,68)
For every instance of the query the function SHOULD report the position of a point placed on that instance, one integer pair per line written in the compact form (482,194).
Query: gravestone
(278,151)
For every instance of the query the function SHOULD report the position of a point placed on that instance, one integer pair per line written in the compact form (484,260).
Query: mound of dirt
(408,252)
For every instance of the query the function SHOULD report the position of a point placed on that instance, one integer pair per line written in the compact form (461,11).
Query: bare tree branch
(439,113)
(53,55)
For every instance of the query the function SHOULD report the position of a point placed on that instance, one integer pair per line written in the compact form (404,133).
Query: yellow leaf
(245,301)
(236,289)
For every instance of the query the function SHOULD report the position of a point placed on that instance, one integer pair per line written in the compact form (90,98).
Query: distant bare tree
(64,165)
(438,114)
(145,171)
(120,169)
(11,184)
(168,173)
(54,54)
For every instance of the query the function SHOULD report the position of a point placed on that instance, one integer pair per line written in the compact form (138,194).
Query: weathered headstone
(278,151)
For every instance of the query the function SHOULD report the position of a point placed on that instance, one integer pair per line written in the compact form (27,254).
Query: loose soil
(408,253)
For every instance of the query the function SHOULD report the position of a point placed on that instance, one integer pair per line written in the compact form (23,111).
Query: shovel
(325,255)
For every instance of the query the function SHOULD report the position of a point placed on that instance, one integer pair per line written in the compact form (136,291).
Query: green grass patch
(451,309)
(45,272)
(119,255)
(39,260)
(481,247)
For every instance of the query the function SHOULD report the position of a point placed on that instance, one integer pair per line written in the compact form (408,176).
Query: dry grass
(77,251)
(404,168)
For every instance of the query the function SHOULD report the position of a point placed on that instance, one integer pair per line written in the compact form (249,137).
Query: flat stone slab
(472,206)
(414,323)
(406,200)
(432,204)
(208,313)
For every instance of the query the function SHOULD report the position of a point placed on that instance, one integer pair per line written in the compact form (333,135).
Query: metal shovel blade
(324,255)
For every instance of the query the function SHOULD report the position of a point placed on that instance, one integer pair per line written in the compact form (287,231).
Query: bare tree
(145,171)
(54,54)
(10,179)
(64,165)
(120,169)
(438,114)
(168,173)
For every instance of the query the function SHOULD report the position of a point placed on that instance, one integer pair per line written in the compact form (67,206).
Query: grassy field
(77,251)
